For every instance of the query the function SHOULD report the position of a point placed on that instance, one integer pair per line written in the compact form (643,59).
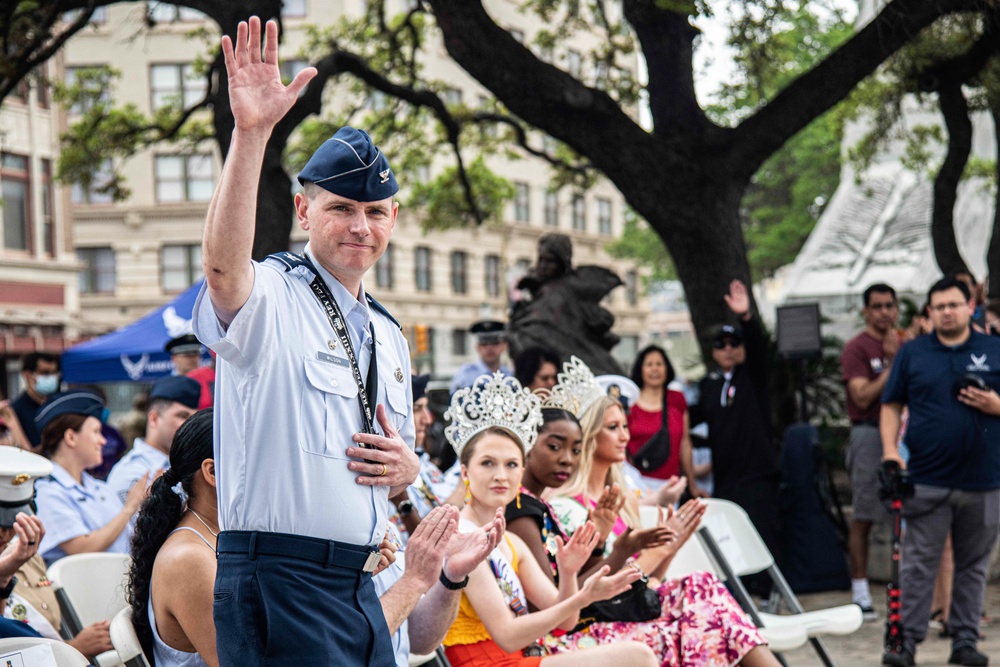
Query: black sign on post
(798,331)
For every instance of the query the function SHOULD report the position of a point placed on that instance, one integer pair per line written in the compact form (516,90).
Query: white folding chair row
(125,641)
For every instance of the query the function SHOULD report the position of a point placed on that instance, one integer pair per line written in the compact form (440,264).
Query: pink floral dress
(700,624)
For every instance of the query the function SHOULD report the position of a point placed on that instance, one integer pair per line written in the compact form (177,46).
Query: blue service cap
(76,402)
(179,388)
(419,384)
(350,165)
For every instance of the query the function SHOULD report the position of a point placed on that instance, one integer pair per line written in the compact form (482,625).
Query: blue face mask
(105,413)
(47,384)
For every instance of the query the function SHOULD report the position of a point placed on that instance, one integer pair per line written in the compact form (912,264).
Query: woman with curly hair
(172,577)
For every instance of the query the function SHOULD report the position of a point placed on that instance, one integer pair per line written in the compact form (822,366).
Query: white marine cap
(19,469)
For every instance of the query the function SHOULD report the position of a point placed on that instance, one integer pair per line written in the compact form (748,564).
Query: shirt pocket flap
(330,378)
(397,398)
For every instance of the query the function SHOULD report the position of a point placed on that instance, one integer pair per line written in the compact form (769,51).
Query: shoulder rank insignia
(287,260)
(380,308)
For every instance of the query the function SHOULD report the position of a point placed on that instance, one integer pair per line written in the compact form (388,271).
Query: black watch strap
(404,508)
(453,585)
(9,588)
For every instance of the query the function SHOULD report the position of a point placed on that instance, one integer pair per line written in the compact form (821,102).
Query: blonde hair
(591,423)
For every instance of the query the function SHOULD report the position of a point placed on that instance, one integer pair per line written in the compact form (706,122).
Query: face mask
(47,384)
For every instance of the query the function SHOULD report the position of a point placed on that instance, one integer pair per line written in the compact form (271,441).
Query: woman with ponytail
(173,554)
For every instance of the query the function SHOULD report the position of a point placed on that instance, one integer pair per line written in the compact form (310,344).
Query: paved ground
(864,647)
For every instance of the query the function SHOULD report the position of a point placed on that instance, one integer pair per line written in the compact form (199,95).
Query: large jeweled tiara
(576,388)
(493,400)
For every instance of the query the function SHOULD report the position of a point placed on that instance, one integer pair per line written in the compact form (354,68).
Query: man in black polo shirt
(954,439)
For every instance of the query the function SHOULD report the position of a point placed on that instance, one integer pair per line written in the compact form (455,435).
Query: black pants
(760,500)
(280,610)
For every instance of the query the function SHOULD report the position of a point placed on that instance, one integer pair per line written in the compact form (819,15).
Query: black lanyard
(339,324)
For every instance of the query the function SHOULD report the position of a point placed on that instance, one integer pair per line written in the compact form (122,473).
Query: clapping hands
(571,555)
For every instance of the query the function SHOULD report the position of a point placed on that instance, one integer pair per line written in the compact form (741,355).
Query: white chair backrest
(738,540)
(692,557)
(65,655)
(95,584)
(124,639)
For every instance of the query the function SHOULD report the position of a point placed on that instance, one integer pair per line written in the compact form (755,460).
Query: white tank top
(166,656)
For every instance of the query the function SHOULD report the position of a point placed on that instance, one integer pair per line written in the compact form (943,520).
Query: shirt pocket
(329,395)
(395,395)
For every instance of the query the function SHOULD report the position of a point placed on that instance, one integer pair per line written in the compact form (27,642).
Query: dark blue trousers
(281,610)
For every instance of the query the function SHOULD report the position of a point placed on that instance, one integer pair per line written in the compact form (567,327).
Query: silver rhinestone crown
(493,400)
(576,388)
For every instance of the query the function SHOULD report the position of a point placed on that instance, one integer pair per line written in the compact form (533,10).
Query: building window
(632,287)
(459,272)
(96,192)
(180,266)
(551,209)
(16,201)
(459,342)
(492,275)
(165,12)
(98,274)
(579,213)
(385,268)
(452,97)
(93,81)
(522,209)
(293,8)
(422,268)
(573,62)
(174,84)
(604,216)
(183,178)
(48,210)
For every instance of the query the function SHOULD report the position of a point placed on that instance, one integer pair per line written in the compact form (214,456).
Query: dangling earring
(518,500)
(468,494)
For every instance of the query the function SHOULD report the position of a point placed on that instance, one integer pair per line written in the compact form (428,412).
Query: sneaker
(968,655)
(902,659)
(937,620)
(868,613)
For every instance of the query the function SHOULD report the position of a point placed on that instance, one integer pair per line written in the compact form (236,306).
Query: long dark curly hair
(160,513)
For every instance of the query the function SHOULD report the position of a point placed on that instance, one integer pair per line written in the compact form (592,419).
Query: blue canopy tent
(135,352)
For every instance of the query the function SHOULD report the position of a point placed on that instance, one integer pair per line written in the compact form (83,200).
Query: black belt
(865,422)
(325,552)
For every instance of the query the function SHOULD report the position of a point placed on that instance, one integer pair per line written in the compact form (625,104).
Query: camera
(968,380)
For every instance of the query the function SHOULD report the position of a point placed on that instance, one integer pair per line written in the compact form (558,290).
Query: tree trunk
(959,125)
(992,279)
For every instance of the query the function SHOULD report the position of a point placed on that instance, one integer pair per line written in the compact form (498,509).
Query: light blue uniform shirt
(69,510)
(142,458)
(286,408)
(468,373)
(383,581)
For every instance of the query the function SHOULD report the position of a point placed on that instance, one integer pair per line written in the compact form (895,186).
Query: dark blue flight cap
(76,402)
(419,383)
(178,388)
(350,165)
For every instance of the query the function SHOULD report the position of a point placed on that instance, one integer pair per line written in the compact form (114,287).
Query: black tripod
(895,487)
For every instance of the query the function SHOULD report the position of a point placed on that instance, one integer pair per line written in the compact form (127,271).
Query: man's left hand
(393,463)
(29,531)
(985,401)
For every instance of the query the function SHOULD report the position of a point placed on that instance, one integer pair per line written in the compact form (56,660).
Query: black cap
(178,388)
(725,331)
(419,383)
(488,332)
(186,344)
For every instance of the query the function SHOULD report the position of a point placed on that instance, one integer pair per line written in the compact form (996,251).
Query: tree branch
(993,252)
(521,137)
(822,87)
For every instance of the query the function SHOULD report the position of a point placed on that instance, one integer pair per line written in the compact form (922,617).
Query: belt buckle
(373,560)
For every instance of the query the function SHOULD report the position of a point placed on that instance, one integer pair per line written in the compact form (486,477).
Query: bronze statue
(563,312)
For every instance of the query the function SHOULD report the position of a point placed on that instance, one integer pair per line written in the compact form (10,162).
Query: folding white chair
(90,588)
(735,545)
(692,557)
(64,654)
(125,641)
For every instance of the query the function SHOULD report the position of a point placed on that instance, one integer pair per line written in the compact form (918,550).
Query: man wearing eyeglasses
(735,403)
(864,365)
(948,381)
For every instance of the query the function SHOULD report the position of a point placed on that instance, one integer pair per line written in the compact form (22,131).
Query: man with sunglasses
(735,403)
(864,363)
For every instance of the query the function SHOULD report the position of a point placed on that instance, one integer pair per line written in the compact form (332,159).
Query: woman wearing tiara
(700,623)
(493,422)
(172,576)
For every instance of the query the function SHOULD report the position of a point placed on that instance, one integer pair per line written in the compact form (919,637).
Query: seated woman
(81,514)
(172,576)
(493,423)
(700,622)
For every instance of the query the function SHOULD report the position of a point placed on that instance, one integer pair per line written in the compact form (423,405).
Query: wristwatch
(8,589)
(404,508)
(453,585)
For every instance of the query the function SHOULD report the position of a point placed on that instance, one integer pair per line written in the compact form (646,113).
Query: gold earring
(468,494)
(518,500)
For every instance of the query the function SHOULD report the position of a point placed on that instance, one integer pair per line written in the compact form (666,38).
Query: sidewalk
(864,647)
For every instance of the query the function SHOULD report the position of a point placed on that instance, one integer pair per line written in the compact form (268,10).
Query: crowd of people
(288,504)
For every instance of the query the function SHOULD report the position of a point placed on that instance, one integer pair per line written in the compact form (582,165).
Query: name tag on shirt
(331,359)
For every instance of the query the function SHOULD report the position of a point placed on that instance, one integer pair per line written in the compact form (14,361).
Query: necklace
(198,516)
